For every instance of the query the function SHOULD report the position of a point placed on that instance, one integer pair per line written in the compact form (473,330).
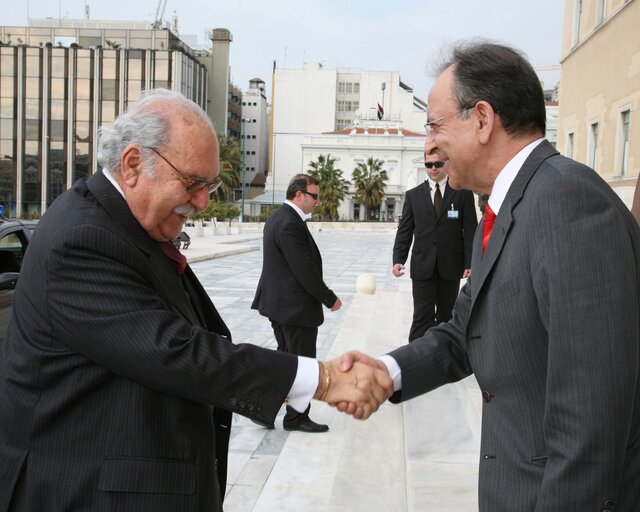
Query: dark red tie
(487,226)
(174,255)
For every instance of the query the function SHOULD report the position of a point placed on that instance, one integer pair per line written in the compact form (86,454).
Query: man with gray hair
(118,376)
(549,319)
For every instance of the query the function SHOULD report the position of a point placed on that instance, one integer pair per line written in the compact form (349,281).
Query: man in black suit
(115,354)
(291,290)
(441,222)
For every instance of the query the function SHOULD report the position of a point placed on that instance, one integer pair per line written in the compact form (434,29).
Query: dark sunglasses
(315,196)
(437,164)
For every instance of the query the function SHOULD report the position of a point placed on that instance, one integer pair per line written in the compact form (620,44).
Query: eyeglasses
(437,164)
(315,196)
(429,126)
(192,183)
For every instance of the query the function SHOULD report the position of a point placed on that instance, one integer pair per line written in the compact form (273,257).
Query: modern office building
(599,93)
(255,132)
(59,81)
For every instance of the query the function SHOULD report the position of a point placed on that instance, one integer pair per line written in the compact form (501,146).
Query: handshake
(354,383)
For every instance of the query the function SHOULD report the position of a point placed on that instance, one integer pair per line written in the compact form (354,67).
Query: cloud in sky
(371,35)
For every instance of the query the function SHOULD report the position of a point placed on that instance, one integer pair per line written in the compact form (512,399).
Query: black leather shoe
(268,426)
(306,425)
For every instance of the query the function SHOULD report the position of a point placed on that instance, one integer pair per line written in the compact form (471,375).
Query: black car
(14,239)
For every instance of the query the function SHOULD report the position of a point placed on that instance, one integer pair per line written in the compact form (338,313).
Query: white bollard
(366,284)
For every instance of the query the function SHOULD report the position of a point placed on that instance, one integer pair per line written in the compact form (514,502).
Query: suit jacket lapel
(117,208)
(504,220)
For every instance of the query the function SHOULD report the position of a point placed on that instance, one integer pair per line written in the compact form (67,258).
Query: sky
(368,35)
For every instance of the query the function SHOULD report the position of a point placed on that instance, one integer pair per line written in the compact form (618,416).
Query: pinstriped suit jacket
(107,373)
(549,324)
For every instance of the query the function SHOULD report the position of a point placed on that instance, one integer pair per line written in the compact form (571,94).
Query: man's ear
(130,163)
(486,118)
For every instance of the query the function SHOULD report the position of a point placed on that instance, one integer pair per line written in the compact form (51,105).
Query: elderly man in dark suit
(291,290)
(549,319)
(440,221)
(115,354)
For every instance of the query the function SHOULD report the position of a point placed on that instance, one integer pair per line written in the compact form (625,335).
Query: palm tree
(230,166)
(369,181)
(333,187)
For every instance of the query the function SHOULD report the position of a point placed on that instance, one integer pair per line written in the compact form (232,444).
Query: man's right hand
(398,270)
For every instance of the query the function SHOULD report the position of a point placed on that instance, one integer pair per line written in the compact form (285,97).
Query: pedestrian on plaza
(115,355)
(548,320)
(440,221)
(291,290)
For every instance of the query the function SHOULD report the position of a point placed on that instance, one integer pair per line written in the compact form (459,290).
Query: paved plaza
(418,456)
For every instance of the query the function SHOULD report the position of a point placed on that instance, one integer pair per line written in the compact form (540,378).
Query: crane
(162,4)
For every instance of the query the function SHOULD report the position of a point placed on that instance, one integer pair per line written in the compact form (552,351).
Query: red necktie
(487,226)
(174,255)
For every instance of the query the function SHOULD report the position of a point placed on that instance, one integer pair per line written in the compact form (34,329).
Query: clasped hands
(354,383)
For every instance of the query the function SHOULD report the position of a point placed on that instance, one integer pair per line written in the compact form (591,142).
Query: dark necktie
(487,226)
(174,255)
(437,200)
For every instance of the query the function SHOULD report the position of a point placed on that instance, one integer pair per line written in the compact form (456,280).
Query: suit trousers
(300,341)
(433,301)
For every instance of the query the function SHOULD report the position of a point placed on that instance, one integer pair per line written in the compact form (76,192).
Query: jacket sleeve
(404,233)
(297,252)
(106,302)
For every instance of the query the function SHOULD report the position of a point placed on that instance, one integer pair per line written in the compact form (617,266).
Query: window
(623,144)
(593,145)
(577,19)
(601,6)
(570,143)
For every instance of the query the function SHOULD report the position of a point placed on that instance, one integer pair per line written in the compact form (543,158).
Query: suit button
(242,405)
(234,401)
(486,396)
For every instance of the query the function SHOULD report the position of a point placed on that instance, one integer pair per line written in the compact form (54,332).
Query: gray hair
(501,76)
(146,123)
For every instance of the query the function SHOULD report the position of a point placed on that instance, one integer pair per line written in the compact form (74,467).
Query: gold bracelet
(327,381)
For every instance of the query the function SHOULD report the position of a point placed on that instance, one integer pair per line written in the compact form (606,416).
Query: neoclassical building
(599,90)
(401,150)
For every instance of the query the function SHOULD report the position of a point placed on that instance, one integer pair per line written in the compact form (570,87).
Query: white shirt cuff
(305,384)
(394,371)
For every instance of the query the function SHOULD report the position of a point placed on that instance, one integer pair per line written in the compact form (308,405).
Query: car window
(12,247)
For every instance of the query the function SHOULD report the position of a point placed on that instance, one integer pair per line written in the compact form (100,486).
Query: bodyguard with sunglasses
(118,376)
(440,221)
(291,291)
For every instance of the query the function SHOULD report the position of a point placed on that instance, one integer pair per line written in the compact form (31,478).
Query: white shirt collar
(302,215)
(110,177)
(508,174)
(442,183)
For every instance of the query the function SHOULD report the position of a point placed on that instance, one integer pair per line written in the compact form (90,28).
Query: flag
(380,111)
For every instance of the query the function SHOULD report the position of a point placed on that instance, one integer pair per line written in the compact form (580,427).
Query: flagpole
(384,86)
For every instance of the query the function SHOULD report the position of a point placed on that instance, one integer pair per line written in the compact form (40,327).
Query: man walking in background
(441,222)
(291,290)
